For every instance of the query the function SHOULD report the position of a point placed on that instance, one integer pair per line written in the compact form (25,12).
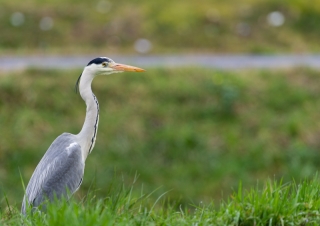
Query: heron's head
(106,66)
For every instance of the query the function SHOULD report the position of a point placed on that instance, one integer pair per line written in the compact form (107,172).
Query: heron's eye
(104,64)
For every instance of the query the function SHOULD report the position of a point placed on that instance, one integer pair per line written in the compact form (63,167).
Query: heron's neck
(88,133)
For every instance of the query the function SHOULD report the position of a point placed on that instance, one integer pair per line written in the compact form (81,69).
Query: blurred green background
(264,26)
(194,131)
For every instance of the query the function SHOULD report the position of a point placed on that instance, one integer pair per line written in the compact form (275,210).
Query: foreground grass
(275,204)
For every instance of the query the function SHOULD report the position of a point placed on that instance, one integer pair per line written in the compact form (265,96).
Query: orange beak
(123,67)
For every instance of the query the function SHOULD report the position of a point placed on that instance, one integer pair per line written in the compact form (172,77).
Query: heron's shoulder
(67,136)
(65,139)
(64,142)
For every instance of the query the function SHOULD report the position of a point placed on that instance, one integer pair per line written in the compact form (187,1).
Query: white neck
(88,133)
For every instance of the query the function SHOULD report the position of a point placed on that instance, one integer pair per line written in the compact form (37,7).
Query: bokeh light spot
(17,19)
(276,19)
(103,6)
(142,45)
(243,29)
(46,23)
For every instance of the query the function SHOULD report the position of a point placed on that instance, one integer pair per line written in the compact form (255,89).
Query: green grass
(194,133)
(275,204)
(202,26)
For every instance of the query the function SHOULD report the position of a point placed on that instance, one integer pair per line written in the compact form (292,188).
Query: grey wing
(60,171)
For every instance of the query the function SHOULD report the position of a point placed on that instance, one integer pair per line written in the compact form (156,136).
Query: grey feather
(60,171)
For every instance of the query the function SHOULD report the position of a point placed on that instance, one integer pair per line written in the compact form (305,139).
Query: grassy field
(275,204)
(111,26)
(193,133)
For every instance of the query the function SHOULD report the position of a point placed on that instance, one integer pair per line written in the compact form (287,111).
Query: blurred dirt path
(210,61)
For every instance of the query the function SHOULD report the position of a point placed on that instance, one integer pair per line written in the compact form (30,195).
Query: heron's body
(60,171)
(61,167)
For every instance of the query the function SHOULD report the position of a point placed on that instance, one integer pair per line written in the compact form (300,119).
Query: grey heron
(60,171)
